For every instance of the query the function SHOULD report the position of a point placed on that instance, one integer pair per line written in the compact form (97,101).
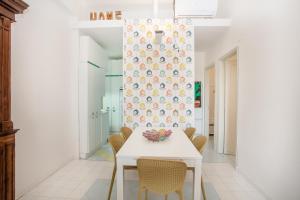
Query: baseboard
(84,155)
(87,155)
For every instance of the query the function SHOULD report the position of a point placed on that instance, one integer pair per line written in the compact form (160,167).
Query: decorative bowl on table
(156,136)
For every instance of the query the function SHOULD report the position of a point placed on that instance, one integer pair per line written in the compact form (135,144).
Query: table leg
(120,181)
(197,182)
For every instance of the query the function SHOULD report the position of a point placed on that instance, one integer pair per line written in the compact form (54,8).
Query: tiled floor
(211,156)
(76,178)
(73,181)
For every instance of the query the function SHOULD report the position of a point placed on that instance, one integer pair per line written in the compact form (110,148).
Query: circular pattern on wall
(158,78)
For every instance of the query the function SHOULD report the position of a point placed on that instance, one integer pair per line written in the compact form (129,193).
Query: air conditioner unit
(195,8)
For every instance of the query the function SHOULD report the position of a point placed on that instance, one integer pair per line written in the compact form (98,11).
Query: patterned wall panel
(158,77)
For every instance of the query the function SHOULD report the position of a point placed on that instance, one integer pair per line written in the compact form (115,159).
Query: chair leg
(112,182)
(140,193)
(146,194)
(203,189)
(166,197)
(180,194)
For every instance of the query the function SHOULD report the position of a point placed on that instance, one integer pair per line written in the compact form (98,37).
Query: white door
(230,106)
(98,94)
(91,106)
(116,107)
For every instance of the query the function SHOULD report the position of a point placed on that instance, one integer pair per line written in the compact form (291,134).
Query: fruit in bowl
(156,136)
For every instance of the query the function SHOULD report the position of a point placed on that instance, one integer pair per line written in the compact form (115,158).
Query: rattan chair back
(126,132)
(116,142)
(190,132)
(199,142)
(161,176)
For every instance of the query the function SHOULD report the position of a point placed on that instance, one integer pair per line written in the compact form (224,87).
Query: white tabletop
(177,146)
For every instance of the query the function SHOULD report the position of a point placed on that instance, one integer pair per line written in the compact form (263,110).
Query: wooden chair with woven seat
(199,142)
(190,132)
(126,132)
(161,176)
(116,142)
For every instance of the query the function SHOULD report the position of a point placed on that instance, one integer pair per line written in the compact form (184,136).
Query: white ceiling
(82,8)
(111,38)
(205,38)
(123,2)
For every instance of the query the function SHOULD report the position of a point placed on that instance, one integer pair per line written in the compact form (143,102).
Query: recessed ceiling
(206,38)
(111,38)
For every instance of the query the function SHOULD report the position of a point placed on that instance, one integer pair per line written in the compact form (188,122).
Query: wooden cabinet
(7,166)
(8,9)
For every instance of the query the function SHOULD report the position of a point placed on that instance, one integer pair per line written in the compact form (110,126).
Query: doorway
(113,99)
(230,133)
(210,90)
(102,50)
(211,100)
(221,99)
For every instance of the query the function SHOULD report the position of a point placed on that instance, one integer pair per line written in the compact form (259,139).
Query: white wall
(44,95)
(138,9)
(73,6)
(267,35)
(115,66)
(199,65)
(131,11)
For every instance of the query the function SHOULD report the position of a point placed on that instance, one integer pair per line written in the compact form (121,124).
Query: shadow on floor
(99,190)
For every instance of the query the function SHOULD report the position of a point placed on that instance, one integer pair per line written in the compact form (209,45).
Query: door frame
(220,101)
(230,66)
(206,103)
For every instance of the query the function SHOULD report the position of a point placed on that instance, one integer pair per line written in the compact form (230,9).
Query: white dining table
(177,147)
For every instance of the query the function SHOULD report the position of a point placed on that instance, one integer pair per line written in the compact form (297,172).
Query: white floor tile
(74,180)
(226,195)
(256,195)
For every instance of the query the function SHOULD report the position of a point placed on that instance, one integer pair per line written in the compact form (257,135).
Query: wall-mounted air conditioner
(195,8)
